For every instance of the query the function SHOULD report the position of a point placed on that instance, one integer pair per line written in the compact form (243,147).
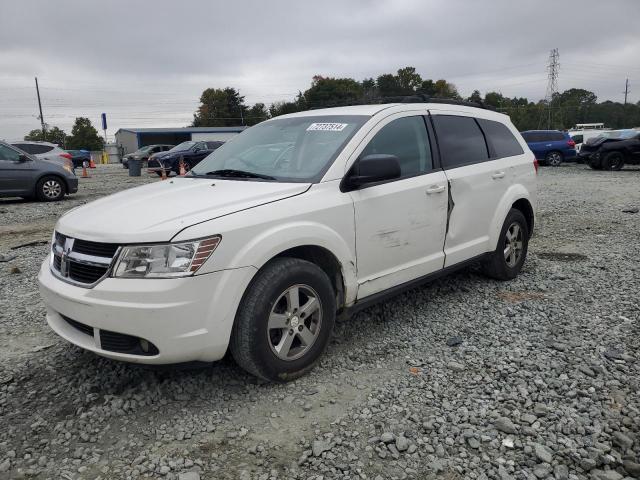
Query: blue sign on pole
(104,121)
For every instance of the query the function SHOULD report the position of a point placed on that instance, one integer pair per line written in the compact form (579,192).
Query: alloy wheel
(554,159)
(294,322)
(52,189)
(514,245)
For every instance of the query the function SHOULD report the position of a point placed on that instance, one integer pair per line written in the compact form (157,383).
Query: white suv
(294,220)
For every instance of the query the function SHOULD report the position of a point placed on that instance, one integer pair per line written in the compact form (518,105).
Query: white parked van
(292,221)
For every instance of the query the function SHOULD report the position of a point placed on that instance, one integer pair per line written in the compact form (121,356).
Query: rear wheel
(50,189)
(507,260)
(613,161)
(554,158)
(285,320)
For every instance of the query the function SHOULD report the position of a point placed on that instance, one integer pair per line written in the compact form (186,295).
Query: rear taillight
(66,155)
(536,164)
(571,143)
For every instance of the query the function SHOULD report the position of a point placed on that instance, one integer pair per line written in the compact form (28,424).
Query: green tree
(53,135)
(331,92)
(256,114)
(408,80)
(84,136)
(388,85)
(475,97)
(220,108)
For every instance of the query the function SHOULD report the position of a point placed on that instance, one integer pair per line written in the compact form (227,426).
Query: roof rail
(421,98)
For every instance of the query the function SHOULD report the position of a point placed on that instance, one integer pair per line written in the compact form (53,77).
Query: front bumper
(72,184)
(187,319)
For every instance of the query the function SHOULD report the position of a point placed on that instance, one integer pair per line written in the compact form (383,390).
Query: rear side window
(36,148)
(26,147)
(407,139)
(461,141)
(500,138)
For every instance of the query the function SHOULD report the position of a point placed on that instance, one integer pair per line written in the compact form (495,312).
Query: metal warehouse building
(131,139)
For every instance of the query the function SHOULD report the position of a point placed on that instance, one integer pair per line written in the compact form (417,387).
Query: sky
(145,63)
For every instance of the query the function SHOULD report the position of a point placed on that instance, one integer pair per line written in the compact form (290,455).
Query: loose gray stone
(387,437)
(622,440)
(189,476)
(543,453)
(505,425)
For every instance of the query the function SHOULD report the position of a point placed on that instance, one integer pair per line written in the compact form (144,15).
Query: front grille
(86,329)
(122,343)
(81,261)
(95,248)
(85,273)
(116,342)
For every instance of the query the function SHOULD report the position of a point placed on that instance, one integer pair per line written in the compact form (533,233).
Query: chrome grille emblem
(64,258)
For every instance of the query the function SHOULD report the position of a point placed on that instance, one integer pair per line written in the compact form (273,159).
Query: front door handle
(497,175)
(436,189)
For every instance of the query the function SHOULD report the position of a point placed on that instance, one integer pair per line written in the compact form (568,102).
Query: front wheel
(284,321)
(553,159)
(506,261)
(613,161)
(50,189)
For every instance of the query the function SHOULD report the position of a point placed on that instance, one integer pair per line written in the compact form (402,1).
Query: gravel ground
(463,378)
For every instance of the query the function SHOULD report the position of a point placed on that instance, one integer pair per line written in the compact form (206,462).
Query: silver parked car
(23,175)
(43,150)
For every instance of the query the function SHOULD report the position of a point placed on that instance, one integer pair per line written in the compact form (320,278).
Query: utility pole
(626,91)
(40,107)
(552,85)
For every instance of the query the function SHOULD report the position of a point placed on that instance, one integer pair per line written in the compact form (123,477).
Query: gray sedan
(23,175)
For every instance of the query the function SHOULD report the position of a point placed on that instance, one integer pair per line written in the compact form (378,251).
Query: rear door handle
(436,189)
(497,175)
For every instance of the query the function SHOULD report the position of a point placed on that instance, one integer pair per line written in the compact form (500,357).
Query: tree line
(83,136)
(226,107)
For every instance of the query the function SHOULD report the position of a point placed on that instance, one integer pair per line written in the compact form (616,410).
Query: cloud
(146,63)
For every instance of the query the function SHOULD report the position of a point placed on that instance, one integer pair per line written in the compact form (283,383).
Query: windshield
(298,149)
(183,146)
(144,149)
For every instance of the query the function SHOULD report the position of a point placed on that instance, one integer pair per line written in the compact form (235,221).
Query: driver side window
(407,139)
(8,154)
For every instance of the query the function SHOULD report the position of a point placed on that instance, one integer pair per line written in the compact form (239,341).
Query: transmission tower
(552,85)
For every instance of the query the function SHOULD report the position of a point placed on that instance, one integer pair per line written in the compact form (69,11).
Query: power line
(552,84)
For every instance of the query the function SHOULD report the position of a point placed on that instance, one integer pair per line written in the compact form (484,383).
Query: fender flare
(512,195)
(272,242)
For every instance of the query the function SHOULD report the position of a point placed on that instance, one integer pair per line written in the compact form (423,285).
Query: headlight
(164,260)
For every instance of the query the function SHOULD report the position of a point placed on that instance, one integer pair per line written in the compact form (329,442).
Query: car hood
(158,211)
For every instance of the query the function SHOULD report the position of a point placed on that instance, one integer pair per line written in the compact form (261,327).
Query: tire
(50,189)
(554,158)
(259,345)
(595,164)
(503,267)
(613,161)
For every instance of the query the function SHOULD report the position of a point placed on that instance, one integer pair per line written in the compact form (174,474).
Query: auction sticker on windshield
(327,127)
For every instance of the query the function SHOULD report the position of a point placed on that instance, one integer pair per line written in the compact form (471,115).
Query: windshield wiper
(231,173)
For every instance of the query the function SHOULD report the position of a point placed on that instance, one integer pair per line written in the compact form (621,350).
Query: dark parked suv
(144,153)
(551,147)
(611,150)
(192,152)
(23,175)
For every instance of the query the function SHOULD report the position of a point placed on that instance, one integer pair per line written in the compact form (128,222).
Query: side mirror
(372,169)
